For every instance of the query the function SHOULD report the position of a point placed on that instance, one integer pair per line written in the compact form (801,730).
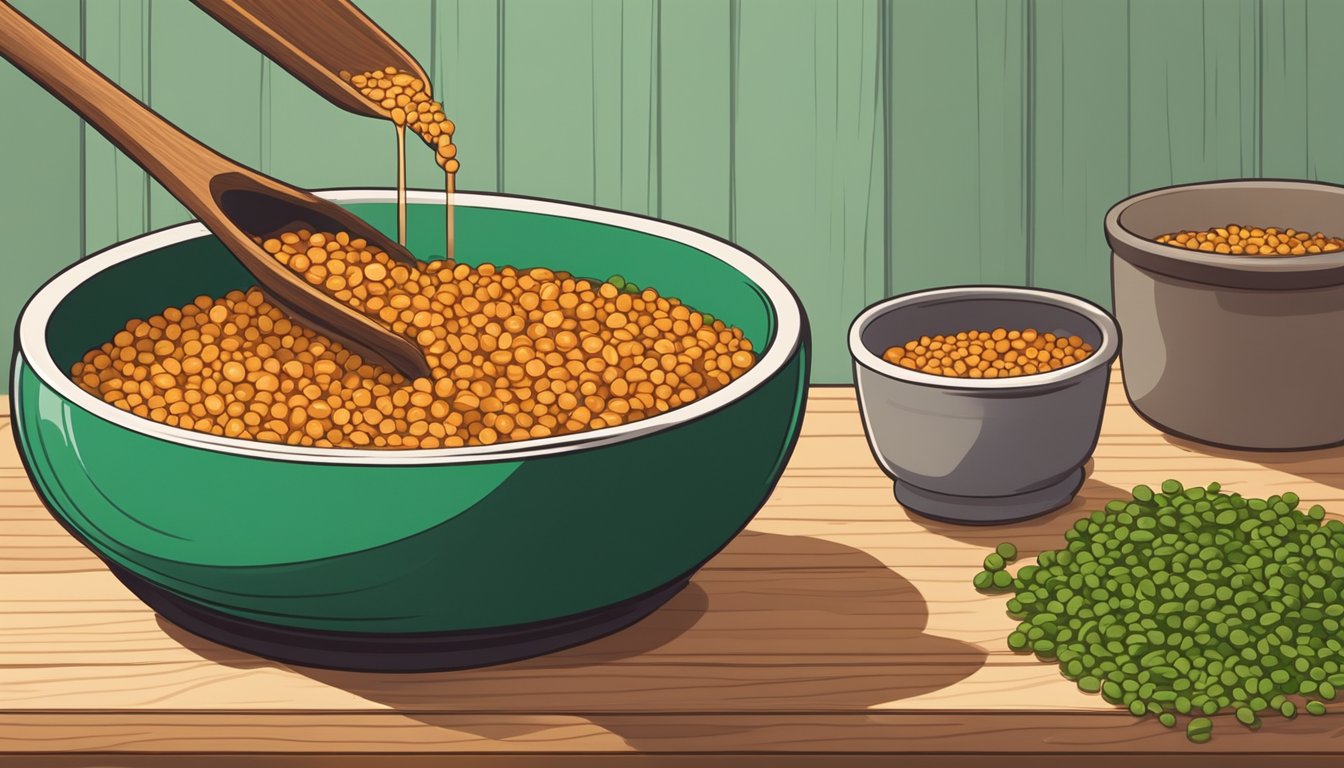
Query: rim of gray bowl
(1249,272)
(788,334)
(1104,354)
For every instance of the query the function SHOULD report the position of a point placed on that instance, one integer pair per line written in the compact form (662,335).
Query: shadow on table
(1324,465)
(1037,534)
(773,624)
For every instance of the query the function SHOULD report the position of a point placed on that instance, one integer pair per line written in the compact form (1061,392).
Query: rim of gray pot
(1104,355)
(1246,272)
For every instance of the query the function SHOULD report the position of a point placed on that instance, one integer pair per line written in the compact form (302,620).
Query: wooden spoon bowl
(235,202)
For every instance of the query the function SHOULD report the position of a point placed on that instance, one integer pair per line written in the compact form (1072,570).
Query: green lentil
(1199,730)
(1188,601)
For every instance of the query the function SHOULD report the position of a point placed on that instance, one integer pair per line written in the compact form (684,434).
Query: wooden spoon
(232,200)
(314,40)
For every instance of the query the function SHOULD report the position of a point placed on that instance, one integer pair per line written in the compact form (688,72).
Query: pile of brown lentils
(995,354)
(404,97)
(515,354)
(1237,240)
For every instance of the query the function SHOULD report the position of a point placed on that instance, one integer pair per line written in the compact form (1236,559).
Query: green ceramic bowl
(339,547)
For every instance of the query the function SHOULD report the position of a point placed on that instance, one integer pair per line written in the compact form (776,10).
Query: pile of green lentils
(1187,602)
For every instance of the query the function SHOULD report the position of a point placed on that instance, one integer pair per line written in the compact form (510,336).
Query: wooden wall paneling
(957,153)
(696,71)
(1324,110)
(548,99)
(1192,94)
(625,104)
(1302,113)
(808,158)
(1323,22)
(116,190)
(41,205)
(205,80)
(1284,114)
(860,148)
(1080,141)
(466,68)
(310,142)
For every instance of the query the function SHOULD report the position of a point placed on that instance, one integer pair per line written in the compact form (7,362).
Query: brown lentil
(515,354)
(1237,240)
(996,354)
(408,103)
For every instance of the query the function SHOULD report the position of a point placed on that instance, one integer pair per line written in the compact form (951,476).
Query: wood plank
(836,599)
(41,194)
(735,759)
(809,149)
(836,624)
(968,734)
(957,152)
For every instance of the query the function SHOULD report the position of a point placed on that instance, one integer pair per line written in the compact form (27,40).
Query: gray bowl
(1236,351)
(982,450)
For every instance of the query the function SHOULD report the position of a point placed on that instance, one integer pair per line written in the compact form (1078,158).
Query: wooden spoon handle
(180,163)
(207,183)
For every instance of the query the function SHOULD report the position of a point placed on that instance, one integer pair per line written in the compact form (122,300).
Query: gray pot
(1237,351)
(982,450)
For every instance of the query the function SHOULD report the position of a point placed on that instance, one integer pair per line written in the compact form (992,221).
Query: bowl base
(402,652)
(988,510)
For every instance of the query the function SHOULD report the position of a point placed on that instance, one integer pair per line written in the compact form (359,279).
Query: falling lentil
(408,103)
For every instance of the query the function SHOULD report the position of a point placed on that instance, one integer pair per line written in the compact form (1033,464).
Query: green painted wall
(862,147)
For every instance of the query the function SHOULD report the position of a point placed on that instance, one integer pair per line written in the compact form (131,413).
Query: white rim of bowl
(1103,355)
(788,332)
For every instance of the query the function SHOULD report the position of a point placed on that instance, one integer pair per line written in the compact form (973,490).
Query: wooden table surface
(836,630)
